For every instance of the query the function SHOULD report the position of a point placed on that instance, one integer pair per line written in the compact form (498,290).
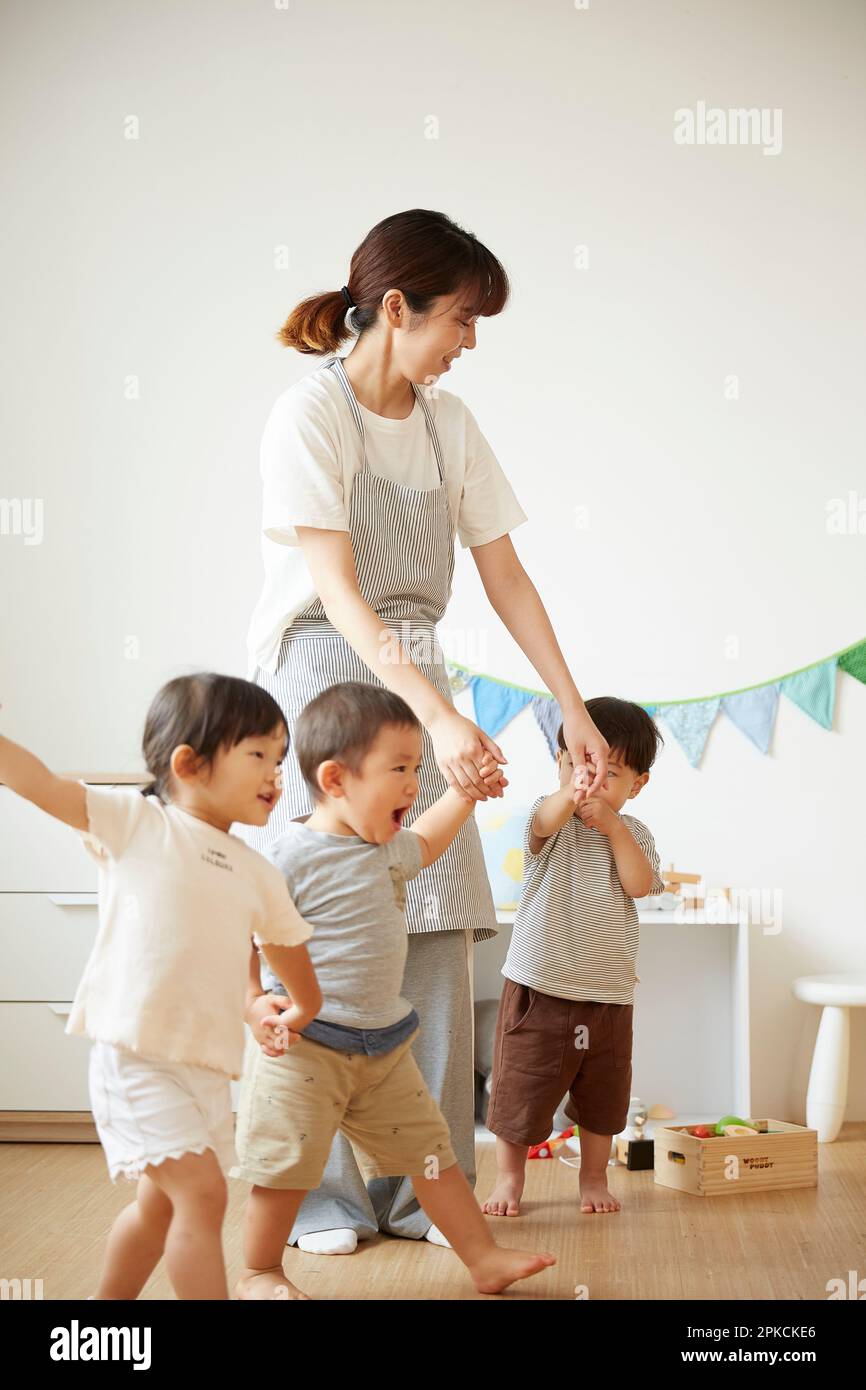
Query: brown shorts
(546,1046)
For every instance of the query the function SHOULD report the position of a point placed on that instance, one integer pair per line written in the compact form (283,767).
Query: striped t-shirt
(575,931)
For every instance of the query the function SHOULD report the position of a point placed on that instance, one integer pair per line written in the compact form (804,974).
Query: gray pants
(437,980)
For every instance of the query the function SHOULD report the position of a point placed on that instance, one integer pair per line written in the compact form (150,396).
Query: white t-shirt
(180,903)
(310,452)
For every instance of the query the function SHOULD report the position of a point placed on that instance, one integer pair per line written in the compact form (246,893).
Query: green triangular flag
(814,691)
(854,662)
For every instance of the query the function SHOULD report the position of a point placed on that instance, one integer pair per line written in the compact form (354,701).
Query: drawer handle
(74,899)
(62,1010)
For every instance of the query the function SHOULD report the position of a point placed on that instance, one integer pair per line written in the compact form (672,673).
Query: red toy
(546,1149)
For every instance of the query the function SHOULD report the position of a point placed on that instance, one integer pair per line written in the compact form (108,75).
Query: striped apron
(403,544)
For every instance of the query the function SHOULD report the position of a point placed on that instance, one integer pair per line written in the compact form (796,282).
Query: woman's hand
(461,750)
(586,745)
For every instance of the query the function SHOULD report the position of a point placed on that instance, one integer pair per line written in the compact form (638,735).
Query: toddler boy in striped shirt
(565,1015)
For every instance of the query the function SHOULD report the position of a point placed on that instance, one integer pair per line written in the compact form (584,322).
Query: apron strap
(356,414)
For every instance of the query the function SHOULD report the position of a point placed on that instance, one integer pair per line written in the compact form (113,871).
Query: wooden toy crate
(764,1161)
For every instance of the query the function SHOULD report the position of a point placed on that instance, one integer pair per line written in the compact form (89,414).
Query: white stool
(828,1079)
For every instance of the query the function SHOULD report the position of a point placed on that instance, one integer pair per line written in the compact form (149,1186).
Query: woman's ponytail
(316,325)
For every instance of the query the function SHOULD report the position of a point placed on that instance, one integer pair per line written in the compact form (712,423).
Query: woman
(366,481)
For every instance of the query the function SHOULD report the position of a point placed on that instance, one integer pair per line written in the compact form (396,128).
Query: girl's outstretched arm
(59,796)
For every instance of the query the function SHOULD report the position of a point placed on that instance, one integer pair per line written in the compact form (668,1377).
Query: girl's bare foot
(594,1195)
(504,1200)
(494,1271)
(267,1284)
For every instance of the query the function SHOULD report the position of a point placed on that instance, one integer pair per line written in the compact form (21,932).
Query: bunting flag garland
(548,717)
(753,709)
(496,705)
(690,725)
(754,712)
(814,690)
(854,661)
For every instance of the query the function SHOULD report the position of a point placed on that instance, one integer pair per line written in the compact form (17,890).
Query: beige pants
(291,1107)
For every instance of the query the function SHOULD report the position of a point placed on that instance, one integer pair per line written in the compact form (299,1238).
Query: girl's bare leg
(196,1188)
(268,1219)
(135,1243)
(449,1202)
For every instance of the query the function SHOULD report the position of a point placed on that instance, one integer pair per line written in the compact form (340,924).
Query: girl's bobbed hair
(209,712)
(425,254)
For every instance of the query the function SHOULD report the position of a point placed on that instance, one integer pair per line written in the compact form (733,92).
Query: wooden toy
(776,1155)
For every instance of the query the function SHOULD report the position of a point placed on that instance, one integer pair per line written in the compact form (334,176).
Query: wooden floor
(58,1204)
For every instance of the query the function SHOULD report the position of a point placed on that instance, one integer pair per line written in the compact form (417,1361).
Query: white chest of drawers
(48,924)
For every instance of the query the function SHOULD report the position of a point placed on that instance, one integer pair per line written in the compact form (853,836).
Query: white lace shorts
(146,1111)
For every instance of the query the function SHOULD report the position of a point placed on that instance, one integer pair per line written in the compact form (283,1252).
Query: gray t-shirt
(353,894)
(575,932)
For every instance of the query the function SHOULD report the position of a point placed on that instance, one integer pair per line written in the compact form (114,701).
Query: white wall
(600,388)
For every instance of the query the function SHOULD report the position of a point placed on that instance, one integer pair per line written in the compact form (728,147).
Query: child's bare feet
(267,1284)
(594,1195)
(504,1200)
(495,1270)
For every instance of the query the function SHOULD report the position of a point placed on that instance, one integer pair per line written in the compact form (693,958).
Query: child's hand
(263,1017)
(278,1037)
(572,779)
(581,783)
(490,772)
(596,814)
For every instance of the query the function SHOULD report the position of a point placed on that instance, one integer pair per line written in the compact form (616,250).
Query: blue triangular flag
(496,704)
(754,712)
(548,717)
(814,691)
(690,724)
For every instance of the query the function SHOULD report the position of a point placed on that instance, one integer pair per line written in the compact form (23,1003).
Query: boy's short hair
(628,728)
(343,723)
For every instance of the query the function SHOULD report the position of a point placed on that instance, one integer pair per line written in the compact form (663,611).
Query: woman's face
(447,330)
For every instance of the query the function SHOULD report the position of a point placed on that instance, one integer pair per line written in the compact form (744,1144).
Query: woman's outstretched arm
(515,599)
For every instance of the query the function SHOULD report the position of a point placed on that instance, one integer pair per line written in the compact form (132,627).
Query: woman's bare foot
(267,1284)
(499,1268)
(504,1200)
(594,1195)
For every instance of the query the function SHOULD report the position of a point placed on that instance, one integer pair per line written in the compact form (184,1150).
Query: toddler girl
(182,905)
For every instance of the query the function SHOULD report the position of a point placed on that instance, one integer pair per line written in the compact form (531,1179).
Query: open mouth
(397,816)
(267,799)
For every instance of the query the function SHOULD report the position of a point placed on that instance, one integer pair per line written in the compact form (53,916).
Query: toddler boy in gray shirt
(351,1068)
(565,1014)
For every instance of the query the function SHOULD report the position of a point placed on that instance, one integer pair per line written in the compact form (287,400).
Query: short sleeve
(405,853)
(281,924)
(546,847)
(301,470)
(647,844)
(112,816)
(488,506)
